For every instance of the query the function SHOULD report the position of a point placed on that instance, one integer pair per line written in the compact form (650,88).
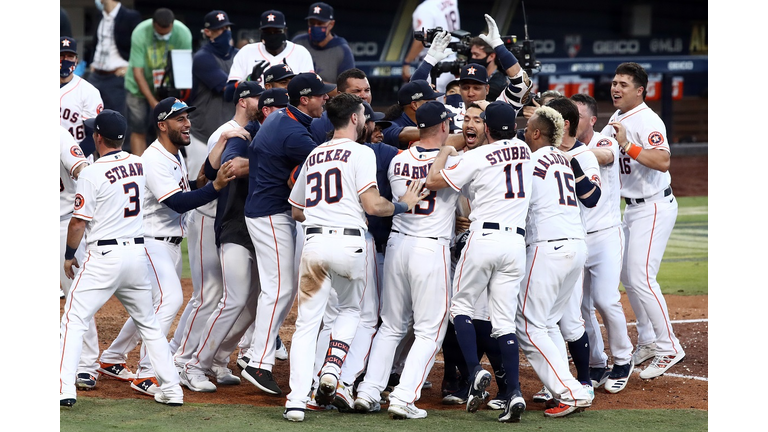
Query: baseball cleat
(643,353)
(660,365)
(562,410)
(224,375)
(326,390)
(477,393)
(281,353)
(427,385)
(116,370)
(598,376)
(618,377)
(542,396)
(399,410)
(513,408)
(363,405)
(197,382)
(262,379)
(166,397)
(312,405)
(65,401)
(147,386)
(61,295)
(294,414)
(242,362)
(497,403)
(344,400)
(85,381)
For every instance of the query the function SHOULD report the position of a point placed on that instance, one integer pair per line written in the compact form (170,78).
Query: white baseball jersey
(210,208)
(109,197)
(644,128)
(413,165)
(607,212)
(295,56)
(494,171)
(71,157)
(78,100)
(166,175)
(554,209)
(437,13)
(330,183)
(588,163)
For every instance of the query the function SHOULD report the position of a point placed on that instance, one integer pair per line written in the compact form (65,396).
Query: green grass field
(683,272)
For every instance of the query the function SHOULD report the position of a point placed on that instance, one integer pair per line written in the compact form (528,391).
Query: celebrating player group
(474,232)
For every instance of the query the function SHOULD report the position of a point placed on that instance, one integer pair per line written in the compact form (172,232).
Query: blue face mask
(221,44)
(99,5)
(317,34)
(66,68)
(454,100)
(165,37)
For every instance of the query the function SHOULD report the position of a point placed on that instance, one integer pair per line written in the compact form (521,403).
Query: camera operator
(484,55)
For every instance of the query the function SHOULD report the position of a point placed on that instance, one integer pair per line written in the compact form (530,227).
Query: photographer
(484,55)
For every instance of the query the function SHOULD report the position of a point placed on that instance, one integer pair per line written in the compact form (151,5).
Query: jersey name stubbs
(507,154)
(121,171)
(548,160)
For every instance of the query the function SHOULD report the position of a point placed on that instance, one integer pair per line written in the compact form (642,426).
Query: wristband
(633,151)
(506,58)
(400,207)
(69,253)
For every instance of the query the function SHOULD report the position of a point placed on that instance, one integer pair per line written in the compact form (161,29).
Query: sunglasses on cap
(177,106)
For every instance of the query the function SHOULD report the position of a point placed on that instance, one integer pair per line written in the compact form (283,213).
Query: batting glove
(437,49)
(493,38)
(257,70)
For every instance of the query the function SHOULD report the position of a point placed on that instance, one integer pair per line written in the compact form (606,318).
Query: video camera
(462,48)
(524,53)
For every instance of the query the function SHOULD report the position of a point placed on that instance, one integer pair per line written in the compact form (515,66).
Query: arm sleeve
(205,68)
(236,147)
(422,72)
(392,135)
(365,171)
(210,172)
(186,201)
(297,197)
(348,62)
(299,146)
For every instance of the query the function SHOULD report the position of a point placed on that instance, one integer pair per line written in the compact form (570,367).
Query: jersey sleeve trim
(82,216)
(295,204)
(364,188)
(164,197)
(77,164)
(450,183)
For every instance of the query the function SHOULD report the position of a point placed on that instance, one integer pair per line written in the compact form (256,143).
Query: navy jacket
(125,21)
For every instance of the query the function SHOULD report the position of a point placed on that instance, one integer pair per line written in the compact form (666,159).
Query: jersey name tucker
(123,171)
(547,160)
(507,154)
(328,156)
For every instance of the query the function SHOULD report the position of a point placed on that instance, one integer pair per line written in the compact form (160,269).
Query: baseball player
(236,308)
(334,251)
(605,243)
(78,99)
(283,142)
(428,15)
(108,210)
(273,49)
(72,162)
(498,177)
(556,252)
(278,76)
(167,200)
(416,275)
(649,215)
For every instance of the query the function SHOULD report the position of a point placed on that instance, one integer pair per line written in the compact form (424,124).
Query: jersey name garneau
(78,100)
(434,216)
(71,157)
(554,210)
(607,212)
(591,168)
(295,56)
(498,178)
(644,128)
(330,183)
(166,175)
(109,196)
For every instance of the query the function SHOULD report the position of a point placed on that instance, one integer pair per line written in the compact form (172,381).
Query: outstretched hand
(493,38)
(414,193)
(437,50)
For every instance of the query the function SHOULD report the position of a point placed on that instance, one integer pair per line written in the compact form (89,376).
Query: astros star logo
(270,17)
(317,9)
(65,43)
(471,70)
(220,17)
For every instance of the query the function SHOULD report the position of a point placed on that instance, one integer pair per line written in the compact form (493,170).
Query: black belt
(174,240)
(347,231)
(563,239)
(496,226)
(409,235)
(667,192)
(137,240)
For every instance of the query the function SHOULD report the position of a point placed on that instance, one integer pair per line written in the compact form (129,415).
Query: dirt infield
(685,388)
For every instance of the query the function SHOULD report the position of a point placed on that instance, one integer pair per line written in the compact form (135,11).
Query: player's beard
(362,132)
(365,136)
(177,138)
(252,113)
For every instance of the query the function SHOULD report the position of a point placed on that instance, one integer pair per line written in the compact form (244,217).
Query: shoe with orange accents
(148,386)
(660,365)
(118,371)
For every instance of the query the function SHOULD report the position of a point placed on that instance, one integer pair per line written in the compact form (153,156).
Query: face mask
(454,100)
(317,34)
(221,44)
(273,42)
(66,67)
(99,5)
(166,37)
(482,62)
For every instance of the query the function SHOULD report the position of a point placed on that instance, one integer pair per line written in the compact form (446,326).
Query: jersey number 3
(132,190)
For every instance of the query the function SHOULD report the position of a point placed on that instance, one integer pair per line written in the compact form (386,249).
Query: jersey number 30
(326,187)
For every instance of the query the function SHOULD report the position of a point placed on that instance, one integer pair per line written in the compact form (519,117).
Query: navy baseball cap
(370,114)
(499,115)
(216,19)
(415,91)
(110,124)
(308,84)
(432,113)
(320,11)
(274,97)
(67,44)
(278,72)
(248,89)
(272,18)
(170,107)
(474,72)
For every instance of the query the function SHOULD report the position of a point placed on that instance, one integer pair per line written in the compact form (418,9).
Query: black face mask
(482,62)
(273,42)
